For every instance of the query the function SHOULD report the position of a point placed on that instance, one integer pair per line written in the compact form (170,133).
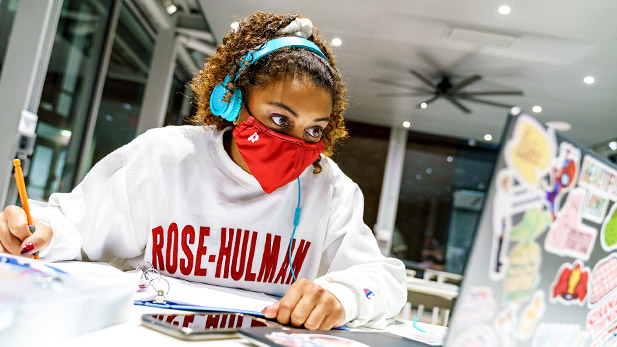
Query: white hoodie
(175,198)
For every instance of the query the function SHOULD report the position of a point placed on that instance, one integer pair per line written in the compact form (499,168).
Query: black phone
(204,326)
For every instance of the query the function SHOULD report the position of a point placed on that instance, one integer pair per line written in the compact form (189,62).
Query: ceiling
(550,46)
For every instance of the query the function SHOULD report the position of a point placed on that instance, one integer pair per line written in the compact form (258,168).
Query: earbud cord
(296,222)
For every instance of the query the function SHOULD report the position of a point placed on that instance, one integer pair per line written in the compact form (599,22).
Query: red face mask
(274,159)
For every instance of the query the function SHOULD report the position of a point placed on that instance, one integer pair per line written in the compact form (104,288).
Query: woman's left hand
(308,304)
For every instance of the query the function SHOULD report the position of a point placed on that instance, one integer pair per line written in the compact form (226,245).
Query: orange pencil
(23,196)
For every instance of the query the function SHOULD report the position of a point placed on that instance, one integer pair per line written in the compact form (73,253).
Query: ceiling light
(336,41)
(559,125)
(449,159)
(68,133)
(515,111)
(488,137)
(423,105)
(406,124)
(418,177)
(429,170)
(170,7)
(613,145)
(537,109)
(471,142)
(504,9)
(589,80)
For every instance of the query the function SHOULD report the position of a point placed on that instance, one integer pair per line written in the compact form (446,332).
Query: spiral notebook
(160,291)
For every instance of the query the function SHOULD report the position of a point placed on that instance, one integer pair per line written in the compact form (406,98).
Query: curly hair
(252,32)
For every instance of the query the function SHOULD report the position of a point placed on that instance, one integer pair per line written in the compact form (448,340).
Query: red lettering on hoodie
(188,237)
(236,273)
(250,276)
(269,259)
(296,265)
(285,266)
(212,321)
(157,248)
(172,246)
(224,252)
(201,251)
(188,318)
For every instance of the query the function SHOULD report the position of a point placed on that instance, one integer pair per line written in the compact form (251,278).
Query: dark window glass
(442,189)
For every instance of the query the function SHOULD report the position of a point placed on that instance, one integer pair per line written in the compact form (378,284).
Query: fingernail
(264,310)
(28,247)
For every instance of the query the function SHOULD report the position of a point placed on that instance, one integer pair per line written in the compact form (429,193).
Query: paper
(210,296)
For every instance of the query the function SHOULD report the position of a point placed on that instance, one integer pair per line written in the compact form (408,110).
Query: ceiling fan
(446,88)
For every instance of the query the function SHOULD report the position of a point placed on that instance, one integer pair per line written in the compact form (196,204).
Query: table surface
(132,333)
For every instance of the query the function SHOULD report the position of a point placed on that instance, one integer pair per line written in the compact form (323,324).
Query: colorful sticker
(559,335)
(531,315)
(568,236)
(603,278)
(311,340)
(502,222)
(505,325)
(594,207)
(534,223)
(522,275)
(570,284)
(598,178)
(530,151)
(606,338)
(608,235)
(477,306)
(602,317)
(481,335)
(563,176)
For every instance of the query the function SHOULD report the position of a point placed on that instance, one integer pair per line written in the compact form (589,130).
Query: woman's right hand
(15,236)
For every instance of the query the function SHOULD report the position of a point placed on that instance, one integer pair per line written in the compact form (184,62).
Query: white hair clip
(302,27)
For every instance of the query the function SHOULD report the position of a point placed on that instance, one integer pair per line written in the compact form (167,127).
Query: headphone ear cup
(227,110)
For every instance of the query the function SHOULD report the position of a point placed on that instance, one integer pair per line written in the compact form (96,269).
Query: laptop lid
(543,267)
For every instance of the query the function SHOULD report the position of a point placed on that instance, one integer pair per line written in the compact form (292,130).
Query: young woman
(250,199)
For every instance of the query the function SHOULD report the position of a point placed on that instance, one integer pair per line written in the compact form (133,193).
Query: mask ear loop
(296,222)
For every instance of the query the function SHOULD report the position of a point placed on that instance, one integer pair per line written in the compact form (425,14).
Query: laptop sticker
(608,234)
(608,337)
(311,340)
(531,315)
(603,279)
(481,335)
(570,284)
(594,207)
(559,335)
(505,325)
(563,176)
(598,178)
(602,317)
(567,235)
(522,276)
(530,151)
(535,222)
(502,222)
(478,306)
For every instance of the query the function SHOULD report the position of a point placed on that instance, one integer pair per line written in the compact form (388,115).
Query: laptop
(542,270)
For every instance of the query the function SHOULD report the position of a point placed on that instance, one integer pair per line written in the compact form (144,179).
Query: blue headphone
(229,110)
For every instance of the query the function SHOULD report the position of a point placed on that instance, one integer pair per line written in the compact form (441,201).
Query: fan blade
(493,92)
(457,104)
(422,78)
(428,101)
(464,83)
(401,85)
(402,94)
(492,103)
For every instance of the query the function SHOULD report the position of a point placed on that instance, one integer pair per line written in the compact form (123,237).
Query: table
(131,333)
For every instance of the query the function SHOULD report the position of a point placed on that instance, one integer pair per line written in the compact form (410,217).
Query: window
(442,189)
